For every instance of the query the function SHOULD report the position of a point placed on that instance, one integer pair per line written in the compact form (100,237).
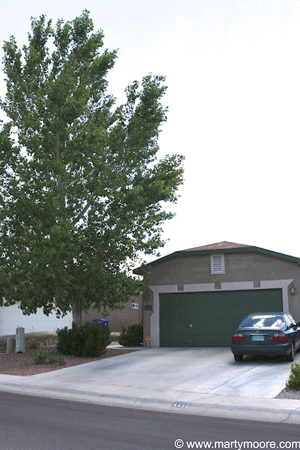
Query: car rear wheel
(238,357)
(291,356)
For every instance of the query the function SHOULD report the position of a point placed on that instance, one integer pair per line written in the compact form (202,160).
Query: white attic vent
(217,264)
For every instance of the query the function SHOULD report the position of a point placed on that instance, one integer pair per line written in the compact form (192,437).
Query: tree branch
(59,179)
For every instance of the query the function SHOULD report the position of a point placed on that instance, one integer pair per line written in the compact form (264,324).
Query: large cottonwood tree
(82,190)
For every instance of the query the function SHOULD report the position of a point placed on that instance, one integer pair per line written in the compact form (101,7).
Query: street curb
(281,411)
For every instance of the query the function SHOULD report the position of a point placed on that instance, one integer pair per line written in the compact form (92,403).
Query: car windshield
(263,321)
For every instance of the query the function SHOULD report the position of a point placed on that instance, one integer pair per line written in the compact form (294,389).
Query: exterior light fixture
(292,289)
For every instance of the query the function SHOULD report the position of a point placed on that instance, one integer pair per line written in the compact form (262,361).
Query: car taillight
(279,337)
(237,338)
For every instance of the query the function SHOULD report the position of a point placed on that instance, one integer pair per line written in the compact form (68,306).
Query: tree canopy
(83,192)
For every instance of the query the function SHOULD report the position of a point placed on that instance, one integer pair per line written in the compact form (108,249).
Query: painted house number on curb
(181,405)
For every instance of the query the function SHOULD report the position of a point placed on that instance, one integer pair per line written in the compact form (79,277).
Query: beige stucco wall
(119,317)
(243,271)
(238,267)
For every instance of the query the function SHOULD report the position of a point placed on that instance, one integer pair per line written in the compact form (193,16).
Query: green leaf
(82,190)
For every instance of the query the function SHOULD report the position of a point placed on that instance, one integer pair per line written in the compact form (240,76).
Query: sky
(232,69)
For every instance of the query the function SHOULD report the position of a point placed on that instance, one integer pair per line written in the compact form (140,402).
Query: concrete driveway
(204,381)
(166,371)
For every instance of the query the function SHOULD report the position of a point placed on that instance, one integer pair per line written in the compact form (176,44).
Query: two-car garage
(198,297)
(208,319)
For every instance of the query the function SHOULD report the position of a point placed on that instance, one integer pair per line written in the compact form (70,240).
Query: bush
(61,361)
(293,381)
(51,359)
(43,356)
(132,336)
(85,340)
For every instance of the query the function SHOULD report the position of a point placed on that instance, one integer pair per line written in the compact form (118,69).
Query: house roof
(220,247)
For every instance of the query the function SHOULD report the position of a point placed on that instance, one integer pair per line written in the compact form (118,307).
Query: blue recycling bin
(102,322)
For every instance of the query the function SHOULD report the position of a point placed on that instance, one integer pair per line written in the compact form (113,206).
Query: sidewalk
(111,382)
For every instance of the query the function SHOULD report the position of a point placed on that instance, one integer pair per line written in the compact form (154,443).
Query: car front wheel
(238,357)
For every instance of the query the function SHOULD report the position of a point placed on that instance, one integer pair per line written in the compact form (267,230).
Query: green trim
(186,253)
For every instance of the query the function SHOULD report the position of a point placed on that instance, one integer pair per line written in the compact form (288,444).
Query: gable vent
(217,264)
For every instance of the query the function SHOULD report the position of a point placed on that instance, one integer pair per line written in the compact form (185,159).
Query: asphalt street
(32,423)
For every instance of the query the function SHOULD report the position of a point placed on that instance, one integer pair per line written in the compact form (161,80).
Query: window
(263,322)
(217,264)
(289,320)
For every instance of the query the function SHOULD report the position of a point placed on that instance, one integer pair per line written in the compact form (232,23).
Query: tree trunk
(77,311)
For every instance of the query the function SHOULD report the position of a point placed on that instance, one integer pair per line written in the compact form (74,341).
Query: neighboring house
(12,317)
(198,297)
(130,314)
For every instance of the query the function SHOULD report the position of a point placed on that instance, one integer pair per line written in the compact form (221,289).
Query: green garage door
(208,319)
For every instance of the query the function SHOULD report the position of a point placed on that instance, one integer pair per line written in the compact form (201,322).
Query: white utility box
(20,340)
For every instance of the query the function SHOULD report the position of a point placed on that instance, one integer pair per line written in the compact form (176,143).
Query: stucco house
(130,313)
(197,297)
(12,317)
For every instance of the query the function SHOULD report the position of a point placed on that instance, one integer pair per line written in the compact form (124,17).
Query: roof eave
(184,253)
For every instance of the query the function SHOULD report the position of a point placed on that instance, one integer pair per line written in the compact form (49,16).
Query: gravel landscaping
(289,394)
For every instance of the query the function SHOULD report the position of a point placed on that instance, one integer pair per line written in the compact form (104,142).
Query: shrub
(63,341)
(293,381)
(85,340)
(132,336)
(61,361)
(42,356)
(51,359)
